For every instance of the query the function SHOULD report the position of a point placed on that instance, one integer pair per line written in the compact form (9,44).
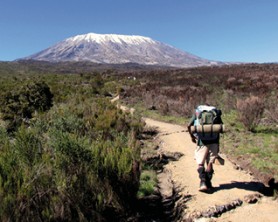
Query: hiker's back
(208,123)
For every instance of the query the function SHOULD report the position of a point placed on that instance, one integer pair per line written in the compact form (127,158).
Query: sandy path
(230,184)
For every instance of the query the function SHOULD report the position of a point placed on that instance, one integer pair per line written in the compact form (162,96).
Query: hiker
(205,119)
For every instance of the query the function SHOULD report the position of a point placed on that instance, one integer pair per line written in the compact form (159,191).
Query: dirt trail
(230,184)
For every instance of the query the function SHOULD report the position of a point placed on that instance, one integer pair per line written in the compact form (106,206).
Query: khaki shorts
(207,153)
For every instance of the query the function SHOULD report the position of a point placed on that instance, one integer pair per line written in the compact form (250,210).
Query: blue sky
(223,30)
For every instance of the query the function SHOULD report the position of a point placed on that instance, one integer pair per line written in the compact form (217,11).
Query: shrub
(77,162)
(19,105)
(250,111)
(38,96)
(272,110)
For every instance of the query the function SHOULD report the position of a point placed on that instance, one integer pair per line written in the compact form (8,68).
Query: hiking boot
(208,183)
(202,176)
(208,179)
(203,187)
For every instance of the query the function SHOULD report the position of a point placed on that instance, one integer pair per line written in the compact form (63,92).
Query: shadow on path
(251,186)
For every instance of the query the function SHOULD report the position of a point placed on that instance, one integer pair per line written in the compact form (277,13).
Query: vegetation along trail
(237,196)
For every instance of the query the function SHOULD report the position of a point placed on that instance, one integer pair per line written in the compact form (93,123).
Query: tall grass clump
(148,183)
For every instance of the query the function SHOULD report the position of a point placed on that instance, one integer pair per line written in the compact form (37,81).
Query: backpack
(207,115)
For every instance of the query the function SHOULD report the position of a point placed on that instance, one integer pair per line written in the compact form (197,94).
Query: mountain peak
(119,49)
(103,38)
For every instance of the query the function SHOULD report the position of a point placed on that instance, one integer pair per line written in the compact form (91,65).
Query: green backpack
(207,115)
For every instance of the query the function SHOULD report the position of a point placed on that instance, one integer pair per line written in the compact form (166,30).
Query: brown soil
(234,189)
(245,163)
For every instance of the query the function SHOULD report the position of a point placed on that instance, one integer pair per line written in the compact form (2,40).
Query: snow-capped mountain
(119,49)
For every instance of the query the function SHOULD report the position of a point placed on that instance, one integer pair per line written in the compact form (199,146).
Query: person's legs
(212,155)
(201,153)
(209,175)
(209,167)
(202,176)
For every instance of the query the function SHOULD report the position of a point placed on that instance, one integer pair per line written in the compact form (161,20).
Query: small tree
(38,96)
(250,111)
(21,104)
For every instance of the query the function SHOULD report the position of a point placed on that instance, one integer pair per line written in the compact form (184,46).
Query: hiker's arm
(193,139)
(191,123)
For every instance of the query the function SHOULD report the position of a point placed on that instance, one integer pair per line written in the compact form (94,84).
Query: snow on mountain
(119,49)
(121,39)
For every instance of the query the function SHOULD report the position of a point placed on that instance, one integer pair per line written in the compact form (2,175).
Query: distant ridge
(119,49)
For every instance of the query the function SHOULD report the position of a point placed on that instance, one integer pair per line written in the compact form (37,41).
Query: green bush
(18,106)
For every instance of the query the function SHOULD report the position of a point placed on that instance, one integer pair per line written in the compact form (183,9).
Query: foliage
(271,110)
(148,182)
(183,89)
(256,150)
(75,160)
(250,111)
(19,105)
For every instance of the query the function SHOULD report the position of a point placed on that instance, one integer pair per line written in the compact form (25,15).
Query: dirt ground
(230,185)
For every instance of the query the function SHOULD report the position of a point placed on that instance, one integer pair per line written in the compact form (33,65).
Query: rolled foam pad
(216,128)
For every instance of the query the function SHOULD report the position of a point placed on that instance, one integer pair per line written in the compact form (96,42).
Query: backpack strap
(203,130)
(213,117)
(211,131)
